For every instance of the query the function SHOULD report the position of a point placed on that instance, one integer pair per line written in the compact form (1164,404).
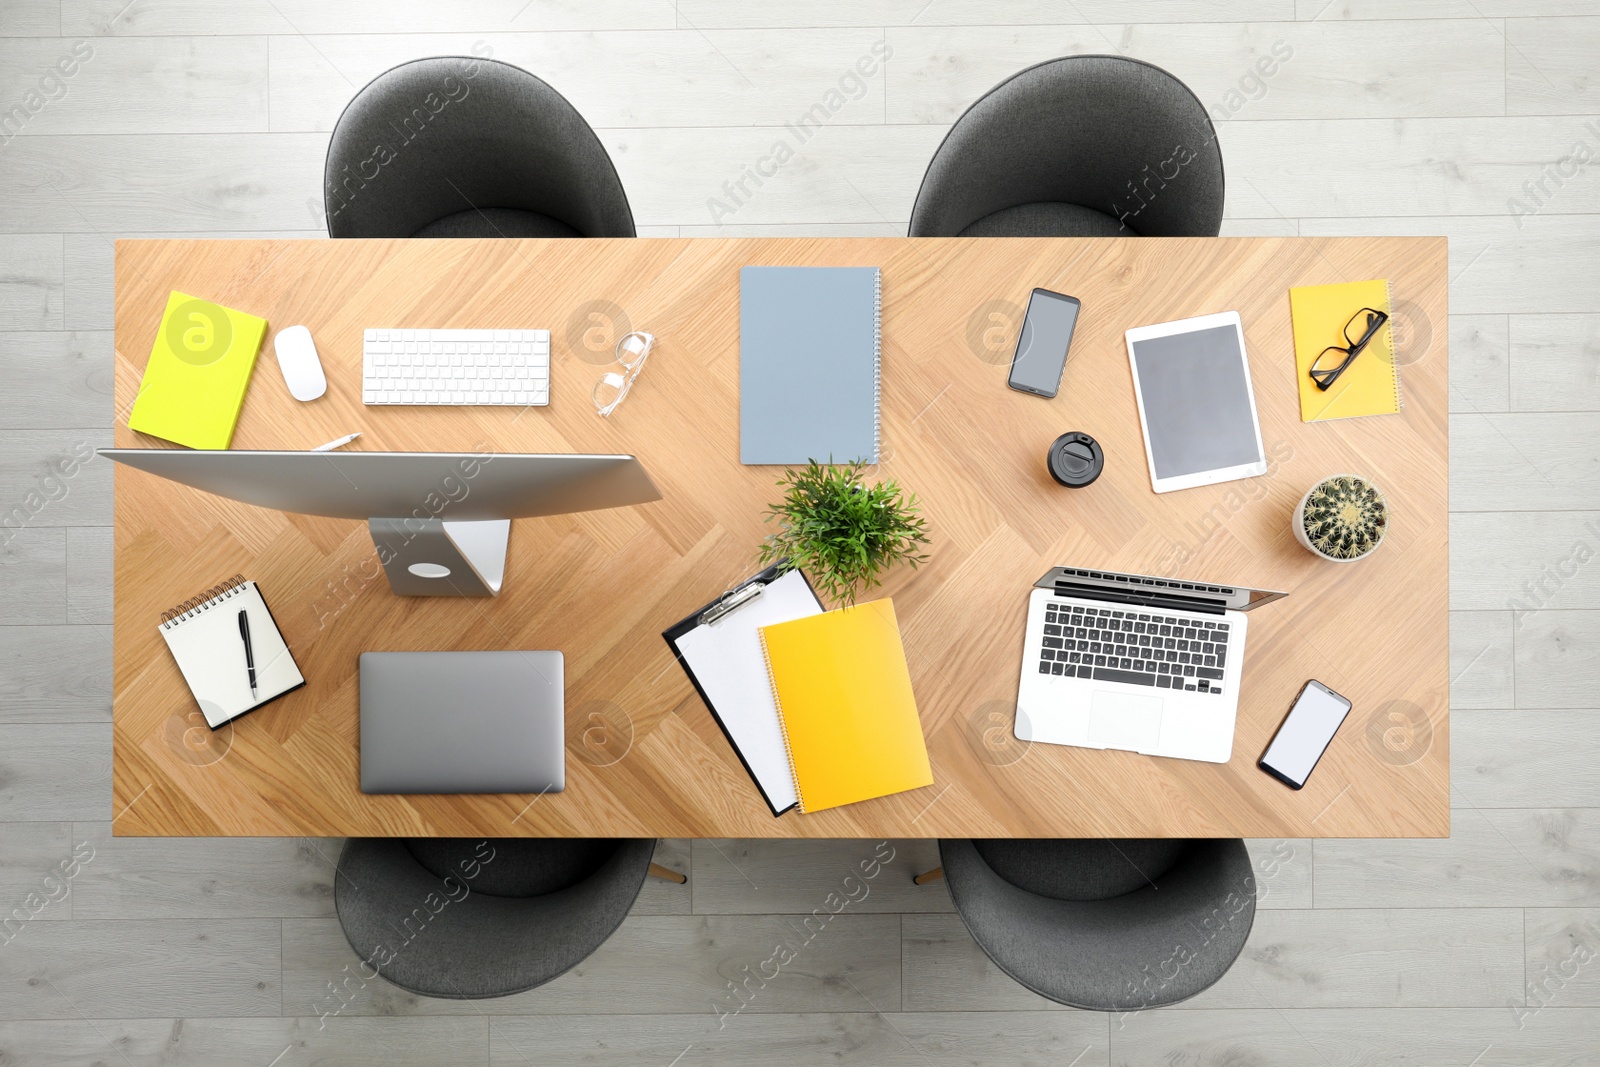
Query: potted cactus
(1342,518)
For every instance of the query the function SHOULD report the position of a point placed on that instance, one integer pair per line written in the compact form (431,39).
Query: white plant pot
(1298,523)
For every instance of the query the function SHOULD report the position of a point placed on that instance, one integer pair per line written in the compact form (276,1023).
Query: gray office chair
(1083,146)
(455,146)
(1105,925)
(464,918)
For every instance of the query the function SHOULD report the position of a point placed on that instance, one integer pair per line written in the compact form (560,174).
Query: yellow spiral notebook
(1371,384)
(193,386)
(844,698)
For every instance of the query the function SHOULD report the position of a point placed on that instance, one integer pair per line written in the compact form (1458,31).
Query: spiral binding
(204,602)
(1394,357)
(877,366)
(783,727)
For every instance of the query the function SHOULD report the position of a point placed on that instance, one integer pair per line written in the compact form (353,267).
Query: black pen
(249,655)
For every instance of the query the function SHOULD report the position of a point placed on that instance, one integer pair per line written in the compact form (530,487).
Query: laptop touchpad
(1124,720)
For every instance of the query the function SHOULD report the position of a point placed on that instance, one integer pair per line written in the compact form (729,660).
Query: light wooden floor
(1391,116)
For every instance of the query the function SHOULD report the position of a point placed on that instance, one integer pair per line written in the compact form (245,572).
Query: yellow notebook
(194,384)
(844,698)
(1371,384)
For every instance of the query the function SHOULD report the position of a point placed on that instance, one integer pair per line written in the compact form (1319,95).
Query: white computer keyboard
(439,367)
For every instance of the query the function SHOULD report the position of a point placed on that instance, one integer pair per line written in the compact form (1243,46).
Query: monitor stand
(435,557)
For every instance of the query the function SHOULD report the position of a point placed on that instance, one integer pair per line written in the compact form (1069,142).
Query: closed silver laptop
(462,722)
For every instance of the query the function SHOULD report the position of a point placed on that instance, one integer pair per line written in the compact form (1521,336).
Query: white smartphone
(1305,734)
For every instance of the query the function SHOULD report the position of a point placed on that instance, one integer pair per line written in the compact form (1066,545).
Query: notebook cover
(193,386)
(844,696)
(1371,384)
(808,364)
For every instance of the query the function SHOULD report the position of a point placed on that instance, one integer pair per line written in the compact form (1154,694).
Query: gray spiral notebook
(809,361)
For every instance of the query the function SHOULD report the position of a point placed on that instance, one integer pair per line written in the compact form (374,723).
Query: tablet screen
(1196,401)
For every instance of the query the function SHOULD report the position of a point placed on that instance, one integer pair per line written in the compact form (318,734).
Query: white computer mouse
(297,359)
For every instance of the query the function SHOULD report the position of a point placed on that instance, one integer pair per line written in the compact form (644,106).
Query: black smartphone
(1042,344)
(1304,734)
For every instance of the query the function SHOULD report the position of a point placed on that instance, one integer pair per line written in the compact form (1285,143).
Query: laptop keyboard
(1106,645)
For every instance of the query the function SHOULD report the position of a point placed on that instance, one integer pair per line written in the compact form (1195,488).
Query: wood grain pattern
(1531,461)
(54,380)
(1557,363)
(54,770)
(33,576)
(1557,82)
(945,968)
(249,1042)
(1356,1036)
(194,878)
(201,18)
(46,479)
(883,1038)
(140,85)
(1522,759)
(1408,73)
(1481,658)
(1480,359)
(710,14)
(89,578)
(601,586)
(1494,858)
(1367,957)
(758,75)
(1556,658)
(55,687)
(30,852)
(1557,547)
(98,969)
(1327,958)
(90,271)
(1558,939)
(1545,264)
(755,877)
(1469,186)
(31,287)
(657,964)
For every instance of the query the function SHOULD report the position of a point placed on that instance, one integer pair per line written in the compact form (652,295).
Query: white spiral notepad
(203,634)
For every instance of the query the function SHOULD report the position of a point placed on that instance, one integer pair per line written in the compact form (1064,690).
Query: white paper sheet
(728,661)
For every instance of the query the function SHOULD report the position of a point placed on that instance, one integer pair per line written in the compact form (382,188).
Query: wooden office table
(644,757)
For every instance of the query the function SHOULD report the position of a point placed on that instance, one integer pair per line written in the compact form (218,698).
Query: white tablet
(1196,406)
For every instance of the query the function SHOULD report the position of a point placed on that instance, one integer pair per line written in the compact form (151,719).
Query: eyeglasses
(1332,361)
(632,351)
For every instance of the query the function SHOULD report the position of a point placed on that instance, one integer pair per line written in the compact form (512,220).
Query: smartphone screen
(1042,345)
(1305,734)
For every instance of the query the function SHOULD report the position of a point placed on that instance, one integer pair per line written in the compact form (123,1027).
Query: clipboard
(723,638)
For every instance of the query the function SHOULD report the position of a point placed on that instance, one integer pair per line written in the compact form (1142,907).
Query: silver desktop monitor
(440,520)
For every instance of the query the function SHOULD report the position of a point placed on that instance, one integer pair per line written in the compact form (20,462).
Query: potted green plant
(1342,518)
(842,532)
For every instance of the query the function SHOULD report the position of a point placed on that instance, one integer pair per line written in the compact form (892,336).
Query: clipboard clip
(733,601)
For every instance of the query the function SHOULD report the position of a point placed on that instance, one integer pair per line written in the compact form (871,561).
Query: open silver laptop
(462,722)
(1134,662)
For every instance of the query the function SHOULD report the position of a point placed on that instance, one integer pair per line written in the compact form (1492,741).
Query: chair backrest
(1109,133)
(1081,869)
(516,866)
(434,137)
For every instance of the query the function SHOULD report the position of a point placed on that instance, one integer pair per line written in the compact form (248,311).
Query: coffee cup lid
(1075,459)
